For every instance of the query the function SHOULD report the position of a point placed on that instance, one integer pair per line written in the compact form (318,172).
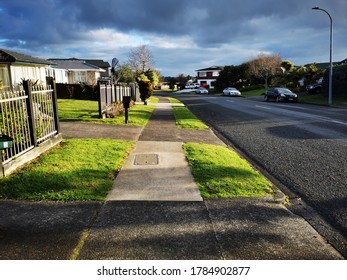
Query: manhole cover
(146,159)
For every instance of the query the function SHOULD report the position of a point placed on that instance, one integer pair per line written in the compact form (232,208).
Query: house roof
(325,65)
(212,68)
(98,62)
(74,64)
(10,56)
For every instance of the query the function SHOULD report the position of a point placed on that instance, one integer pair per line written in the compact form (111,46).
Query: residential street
(303,148)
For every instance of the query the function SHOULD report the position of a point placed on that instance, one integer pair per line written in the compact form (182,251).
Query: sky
(183,35)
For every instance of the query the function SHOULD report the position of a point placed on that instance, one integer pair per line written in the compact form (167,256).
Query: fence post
(55,104)
(31,117)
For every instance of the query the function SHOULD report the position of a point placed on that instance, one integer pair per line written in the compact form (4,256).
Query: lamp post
(331,56)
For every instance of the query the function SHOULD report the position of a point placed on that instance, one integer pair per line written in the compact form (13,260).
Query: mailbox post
(126,105)
(5,143)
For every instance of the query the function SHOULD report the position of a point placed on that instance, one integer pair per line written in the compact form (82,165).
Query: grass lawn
(255,92)
(185,119)
(87,111)
(75,170)
(221,173)
(318,99)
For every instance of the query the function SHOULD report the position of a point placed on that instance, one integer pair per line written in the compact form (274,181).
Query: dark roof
(212,68)
(74,64)
(98,62)
(325,65)
(10,56)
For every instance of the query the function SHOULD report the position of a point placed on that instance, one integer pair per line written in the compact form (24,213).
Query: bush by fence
(77,91)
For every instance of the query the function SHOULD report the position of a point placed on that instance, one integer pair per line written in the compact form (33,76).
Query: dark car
(315,88)
(280,94)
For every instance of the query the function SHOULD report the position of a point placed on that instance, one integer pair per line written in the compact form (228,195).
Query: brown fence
(109,95)
(77,91)
(29,116)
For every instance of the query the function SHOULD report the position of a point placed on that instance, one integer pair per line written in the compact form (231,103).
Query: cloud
(184,35)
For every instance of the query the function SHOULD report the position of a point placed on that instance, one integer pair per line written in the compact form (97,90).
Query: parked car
(280,94)
(315,87)
(201,90)
(194,85)
(231,91)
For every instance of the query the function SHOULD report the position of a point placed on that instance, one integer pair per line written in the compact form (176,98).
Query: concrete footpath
(155,211)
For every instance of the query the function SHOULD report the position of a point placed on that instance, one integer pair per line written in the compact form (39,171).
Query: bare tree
(264,66)
(140,59)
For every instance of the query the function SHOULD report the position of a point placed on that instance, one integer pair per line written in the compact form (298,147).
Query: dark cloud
(289,27)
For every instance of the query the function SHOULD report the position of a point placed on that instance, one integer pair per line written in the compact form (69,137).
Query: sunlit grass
(221,173)
(87,111)
(186,119)
(79,169)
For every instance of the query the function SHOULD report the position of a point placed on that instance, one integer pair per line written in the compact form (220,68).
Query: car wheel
(277,99)
(266,98)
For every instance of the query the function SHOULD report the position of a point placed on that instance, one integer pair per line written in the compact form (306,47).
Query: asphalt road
(304,147)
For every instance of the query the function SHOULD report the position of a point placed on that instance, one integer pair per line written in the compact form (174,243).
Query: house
(14,67)
(101,64)
(75,71)
(326,65)
(206,77)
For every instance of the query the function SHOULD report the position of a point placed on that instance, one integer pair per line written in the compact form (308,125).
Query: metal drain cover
(146,159)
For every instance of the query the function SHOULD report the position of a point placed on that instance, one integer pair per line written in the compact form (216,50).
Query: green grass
(79,169)
(87,111)
(173,100)
(255,92)
(221,173)
(318,99)
(185,119)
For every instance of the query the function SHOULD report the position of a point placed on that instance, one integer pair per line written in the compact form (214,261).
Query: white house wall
(60,76)
(20,72)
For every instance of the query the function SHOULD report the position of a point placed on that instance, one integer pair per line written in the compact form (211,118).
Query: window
(80,76)
(202,74)
(4,79)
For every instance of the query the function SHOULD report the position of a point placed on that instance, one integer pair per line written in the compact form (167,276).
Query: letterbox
(126,102)
(5,142)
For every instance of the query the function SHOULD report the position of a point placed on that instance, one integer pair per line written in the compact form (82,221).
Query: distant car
(194,85)
(201,90)
(231,91)
(280,94)
(315,87)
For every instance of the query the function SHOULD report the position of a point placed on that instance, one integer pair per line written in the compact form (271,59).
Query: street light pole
(331,56)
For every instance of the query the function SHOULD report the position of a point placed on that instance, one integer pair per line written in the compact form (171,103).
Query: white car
(231,91)
(192,86)
(201,90)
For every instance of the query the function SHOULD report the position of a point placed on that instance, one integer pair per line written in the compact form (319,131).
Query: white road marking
(263,107)
(339,122)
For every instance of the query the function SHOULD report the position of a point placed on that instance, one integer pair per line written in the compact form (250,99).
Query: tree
(123,74)
(145,87)
(234,76)
(264,66)
(153,76)
(287,65)
(140,59)
(182,79)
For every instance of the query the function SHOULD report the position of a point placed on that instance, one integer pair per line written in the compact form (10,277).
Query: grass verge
(185,119)
(318,99)
(87,111)
(255,92)
(221,173)
(78,169)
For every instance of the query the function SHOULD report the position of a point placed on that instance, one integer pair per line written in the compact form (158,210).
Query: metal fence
(29,116)
(109,95)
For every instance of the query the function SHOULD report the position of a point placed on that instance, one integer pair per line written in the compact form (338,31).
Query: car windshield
(284,90)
